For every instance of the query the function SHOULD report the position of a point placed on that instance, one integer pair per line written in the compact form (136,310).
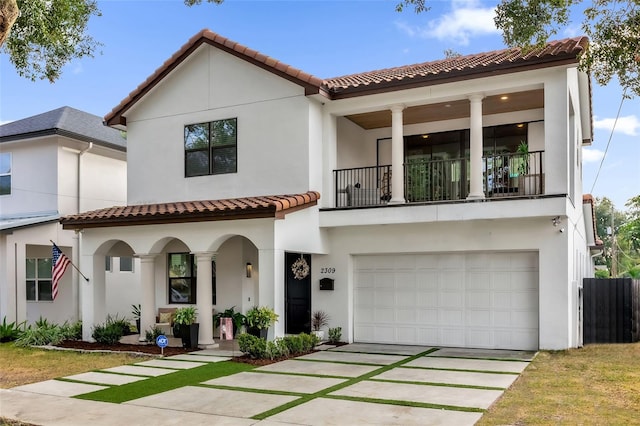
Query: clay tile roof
(423,74)
(496,61)
(309,82)
(274,206)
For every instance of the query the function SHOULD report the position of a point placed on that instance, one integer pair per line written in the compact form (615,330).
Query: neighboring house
(53,164)
(436,204)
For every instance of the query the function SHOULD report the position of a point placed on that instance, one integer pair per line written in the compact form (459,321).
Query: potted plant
(135,311)
(259,319)
(237,318)
(319,319)
(527,183)
(185,318)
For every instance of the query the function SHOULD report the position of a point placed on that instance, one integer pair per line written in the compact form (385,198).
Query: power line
(609,141)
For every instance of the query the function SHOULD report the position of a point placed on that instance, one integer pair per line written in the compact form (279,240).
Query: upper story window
(39,280)
(5,173)
(126,264)
(211,148)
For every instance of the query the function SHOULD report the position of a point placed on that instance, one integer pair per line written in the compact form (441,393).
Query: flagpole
(71,263)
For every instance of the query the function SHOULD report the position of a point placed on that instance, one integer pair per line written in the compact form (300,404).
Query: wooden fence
(611,310)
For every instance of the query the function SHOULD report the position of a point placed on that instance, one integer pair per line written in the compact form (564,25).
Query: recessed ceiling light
(504,97)
(425,136)
(447,105)
(520,125)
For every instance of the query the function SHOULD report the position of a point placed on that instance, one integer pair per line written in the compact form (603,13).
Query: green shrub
(10,332)
(122,323)
(254,346)
(41,333)
(152,333)
(293,343)
(108,333)
(335,334)
(276,349)
(72,331)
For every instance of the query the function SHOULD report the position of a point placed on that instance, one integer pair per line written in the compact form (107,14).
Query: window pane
(126,264)
(107,263)
(5,185)
(180,290)
(44,290)
(31,290)
(196,136)
(31,268)
(197,163)
(44,268)
(224,160)
(179,265)
(223,132)
(5,163)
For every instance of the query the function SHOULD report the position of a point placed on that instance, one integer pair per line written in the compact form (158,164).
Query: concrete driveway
(353,384)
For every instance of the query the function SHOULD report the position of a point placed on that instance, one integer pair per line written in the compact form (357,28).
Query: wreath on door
(300,269)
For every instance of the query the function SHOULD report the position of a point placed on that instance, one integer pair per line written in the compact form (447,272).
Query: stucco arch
(115,247)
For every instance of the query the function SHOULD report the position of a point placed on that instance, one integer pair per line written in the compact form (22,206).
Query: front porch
(504,175)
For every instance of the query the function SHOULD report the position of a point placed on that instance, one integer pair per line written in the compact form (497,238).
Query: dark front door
(297,268)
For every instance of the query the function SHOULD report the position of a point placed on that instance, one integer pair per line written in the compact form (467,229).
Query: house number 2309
(327,270)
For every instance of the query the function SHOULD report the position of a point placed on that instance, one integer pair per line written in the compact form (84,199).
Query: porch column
(93,294)
(271,286)
(397,155)
(204,298)
(476,189)
(148,287)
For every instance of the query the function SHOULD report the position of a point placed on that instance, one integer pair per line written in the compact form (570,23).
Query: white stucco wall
(274,144)
(33,189)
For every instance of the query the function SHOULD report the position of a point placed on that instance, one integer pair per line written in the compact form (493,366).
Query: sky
(324,38)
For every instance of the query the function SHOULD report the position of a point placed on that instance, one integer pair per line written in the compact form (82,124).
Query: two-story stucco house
(53,164)
(437,203)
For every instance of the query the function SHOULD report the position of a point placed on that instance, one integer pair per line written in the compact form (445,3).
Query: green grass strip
(348,382)
(252,390)
(155,385)
(415,367)
(408,403)
(285,373)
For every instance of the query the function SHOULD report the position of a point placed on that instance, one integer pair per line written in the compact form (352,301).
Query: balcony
(504,175)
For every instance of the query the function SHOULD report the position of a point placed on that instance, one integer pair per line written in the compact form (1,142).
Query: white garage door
(478,300)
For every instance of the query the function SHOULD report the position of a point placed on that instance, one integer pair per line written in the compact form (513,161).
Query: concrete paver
(449,377)
(214,401)
(376,359)
(457,397)
(484,353)
(61,411)
(319,368)
(324,411)
(375,348)
(58,388)
(175,364)
(277,382)
(139,371)
(218,352)
(198,358)
(105,378)
(469,364)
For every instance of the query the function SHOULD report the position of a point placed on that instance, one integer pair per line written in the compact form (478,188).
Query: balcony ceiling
(517,101)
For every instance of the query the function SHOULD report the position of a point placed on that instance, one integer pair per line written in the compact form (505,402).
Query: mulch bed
(122,347)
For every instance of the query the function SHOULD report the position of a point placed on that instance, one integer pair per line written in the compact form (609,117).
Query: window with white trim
(5,173)
(39,280)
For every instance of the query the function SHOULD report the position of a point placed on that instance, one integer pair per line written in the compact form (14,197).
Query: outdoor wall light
(249,269)
(556,221)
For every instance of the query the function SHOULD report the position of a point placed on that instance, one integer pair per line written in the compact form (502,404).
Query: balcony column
(475,162)
(204,298)
(148,286)
(397,155)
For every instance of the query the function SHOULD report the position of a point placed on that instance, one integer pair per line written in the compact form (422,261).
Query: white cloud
(629,125)
(78,68)
(591,155)
(466,19)
(5,122)
(573,31)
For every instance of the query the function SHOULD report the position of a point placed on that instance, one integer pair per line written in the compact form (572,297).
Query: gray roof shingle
(65,121)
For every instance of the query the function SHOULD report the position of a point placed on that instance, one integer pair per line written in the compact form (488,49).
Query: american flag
(60,264)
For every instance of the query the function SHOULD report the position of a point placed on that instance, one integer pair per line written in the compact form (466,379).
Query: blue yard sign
(162,343)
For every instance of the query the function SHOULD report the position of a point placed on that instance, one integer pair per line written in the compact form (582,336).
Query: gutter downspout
(79,233)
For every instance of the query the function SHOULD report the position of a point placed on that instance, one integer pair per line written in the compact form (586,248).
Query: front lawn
(597,384)
(21,366)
